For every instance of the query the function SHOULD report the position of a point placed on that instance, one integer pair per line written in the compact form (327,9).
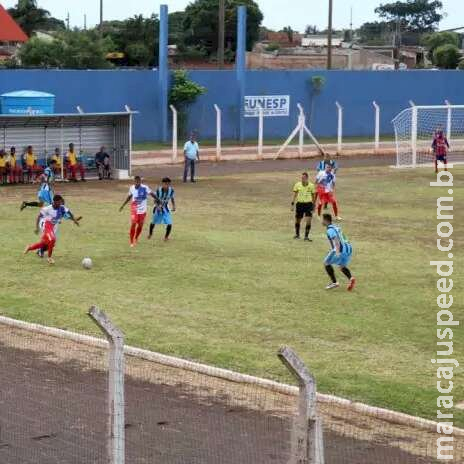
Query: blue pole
(240,66)
(163,67)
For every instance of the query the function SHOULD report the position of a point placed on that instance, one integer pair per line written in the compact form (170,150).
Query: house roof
(9,30)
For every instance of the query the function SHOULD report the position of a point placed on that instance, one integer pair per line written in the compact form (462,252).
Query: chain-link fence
(72,399)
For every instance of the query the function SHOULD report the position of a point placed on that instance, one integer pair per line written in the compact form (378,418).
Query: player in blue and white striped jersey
(161,213)
(45,192)
(340,254)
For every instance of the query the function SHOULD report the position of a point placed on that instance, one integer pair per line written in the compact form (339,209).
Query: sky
(277,13)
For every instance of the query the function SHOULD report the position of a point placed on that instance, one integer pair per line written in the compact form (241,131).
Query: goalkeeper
(440,148)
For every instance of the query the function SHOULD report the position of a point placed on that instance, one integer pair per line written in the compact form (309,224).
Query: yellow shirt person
(30,158)
(304,196)
(2,160)
(57,158)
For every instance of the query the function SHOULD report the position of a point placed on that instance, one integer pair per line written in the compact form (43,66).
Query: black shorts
(304,210)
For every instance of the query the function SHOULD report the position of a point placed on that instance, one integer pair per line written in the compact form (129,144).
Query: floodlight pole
(222,34)
(101,14)
(329,36)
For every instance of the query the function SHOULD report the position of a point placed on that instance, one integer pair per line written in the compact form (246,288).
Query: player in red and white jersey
(47,221)
(138,197)
(325,182)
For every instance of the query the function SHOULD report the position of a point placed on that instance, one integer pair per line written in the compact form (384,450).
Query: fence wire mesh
(53,409)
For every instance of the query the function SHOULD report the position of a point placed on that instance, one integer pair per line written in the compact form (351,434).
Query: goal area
(415,128)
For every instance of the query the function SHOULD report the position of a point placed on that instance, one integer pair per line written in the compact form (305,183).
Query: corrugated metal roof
(9,30)
(58,120)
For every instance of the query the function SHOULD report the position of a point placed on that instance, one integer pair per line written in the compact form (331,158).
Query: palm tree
(32,18)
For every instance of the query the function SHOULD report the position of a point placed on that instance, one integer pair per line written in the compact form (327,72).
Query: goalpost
(415,128)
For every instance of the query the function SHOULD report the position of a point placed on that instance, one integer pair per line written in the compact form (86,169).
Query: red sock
(436,166)
(37,246)
(139,231)
(335,208)
(132,233)
(51,246)
(319,209)
(446,164)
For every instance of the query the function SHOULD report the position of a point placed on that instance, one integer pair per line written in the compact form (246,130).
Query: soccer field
(232,285)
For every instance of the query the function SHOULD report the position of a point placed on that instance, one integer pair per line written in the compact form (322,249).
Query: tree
(415,15)
(437,39)
(183,93)
(375,33)
(31,18)
(289,32)
(69,49)
(201,24)
(447,56)
(311,30)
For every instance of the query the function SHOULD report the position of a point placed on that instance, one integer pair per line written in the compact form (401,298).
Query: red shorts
(137,218)
(320,190)
(327,197)
(48,235)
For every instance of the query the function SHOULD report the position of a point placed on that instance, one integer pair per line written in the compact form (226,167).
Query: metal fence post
(377,125)
(449,121)
(218,132)
(302,121)
(116,420)
(340,128)
(307,439)
(260,132)
(175,135)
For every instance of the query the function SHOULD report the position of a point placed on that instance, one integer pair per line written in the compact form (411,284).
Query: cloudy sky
(277,13)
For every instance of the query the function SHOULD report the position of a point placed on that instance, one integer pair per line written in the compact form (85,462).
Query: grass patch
(233,286)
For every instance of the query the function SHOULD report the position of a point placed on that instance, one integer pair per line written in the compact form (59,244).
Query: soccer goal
(415,128)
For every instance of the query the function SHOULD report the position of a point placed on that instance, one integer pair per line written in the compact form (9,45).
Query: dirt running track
(208,169)
(52,413)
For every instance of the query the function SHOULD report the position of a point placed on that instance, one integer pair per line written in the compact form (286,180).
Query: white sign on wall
(273,105)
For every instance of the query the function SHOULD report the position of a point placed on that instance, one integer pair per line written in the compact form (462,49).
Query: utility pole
(397,45)
(329,36)
(85,22)
(221,37)
(68,21)
(351,25)
(101,14)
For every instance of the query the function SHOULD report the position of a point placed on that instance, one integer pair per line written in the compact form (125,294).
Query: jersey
(327,181)
(324,163)
(335,232)
(57,159)
(2,162)
(305,193)
(49,174)
(52,215)
(440,146)
(12,161)
(140,198)
(72,158)
(30,160)
(163,198)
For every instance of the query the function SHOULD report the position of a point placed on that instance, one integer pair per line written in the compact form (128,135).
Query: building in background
(11,35)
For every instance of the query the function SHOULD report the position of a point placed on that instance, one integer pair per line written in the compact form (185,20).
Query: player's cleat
(23,206)
(338,218)
(40,253)
(352,284)
(332,286)
(50,261)
(307,239)
(166,239)
(297,237)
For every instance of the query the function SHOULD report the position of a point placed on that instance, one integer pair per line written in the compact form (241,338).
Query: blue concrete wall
(101,91)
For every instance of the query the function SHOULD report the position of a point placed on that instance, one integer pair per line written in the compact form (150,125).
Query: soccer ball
(87,263)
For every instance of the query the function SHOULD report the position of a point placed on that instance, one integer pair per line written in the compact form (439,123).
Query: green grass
(147,146)
(233,286)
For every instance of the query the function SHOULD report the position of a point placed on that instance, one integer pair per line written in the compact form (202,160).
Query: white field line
(379,413)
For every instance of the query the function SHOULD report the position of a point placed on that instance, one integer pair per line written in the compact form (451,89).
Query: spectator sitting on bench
(31,168)
(15,172)
(102,161)
(74,164)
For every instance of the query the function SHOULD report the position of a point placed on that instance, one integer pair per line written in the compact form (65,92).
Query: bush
(272,47)
(447,56)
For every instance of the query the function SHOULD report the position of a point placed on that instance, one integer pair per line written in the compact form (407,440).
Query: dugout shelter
(88,132)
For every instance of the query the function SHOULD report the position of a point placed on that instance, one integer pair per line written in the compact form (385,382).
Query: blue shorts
(343,259)
(162,217)
(45,197)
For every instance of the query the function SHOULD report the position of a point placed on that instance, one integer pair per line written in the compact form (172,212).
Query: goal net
(415,128)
